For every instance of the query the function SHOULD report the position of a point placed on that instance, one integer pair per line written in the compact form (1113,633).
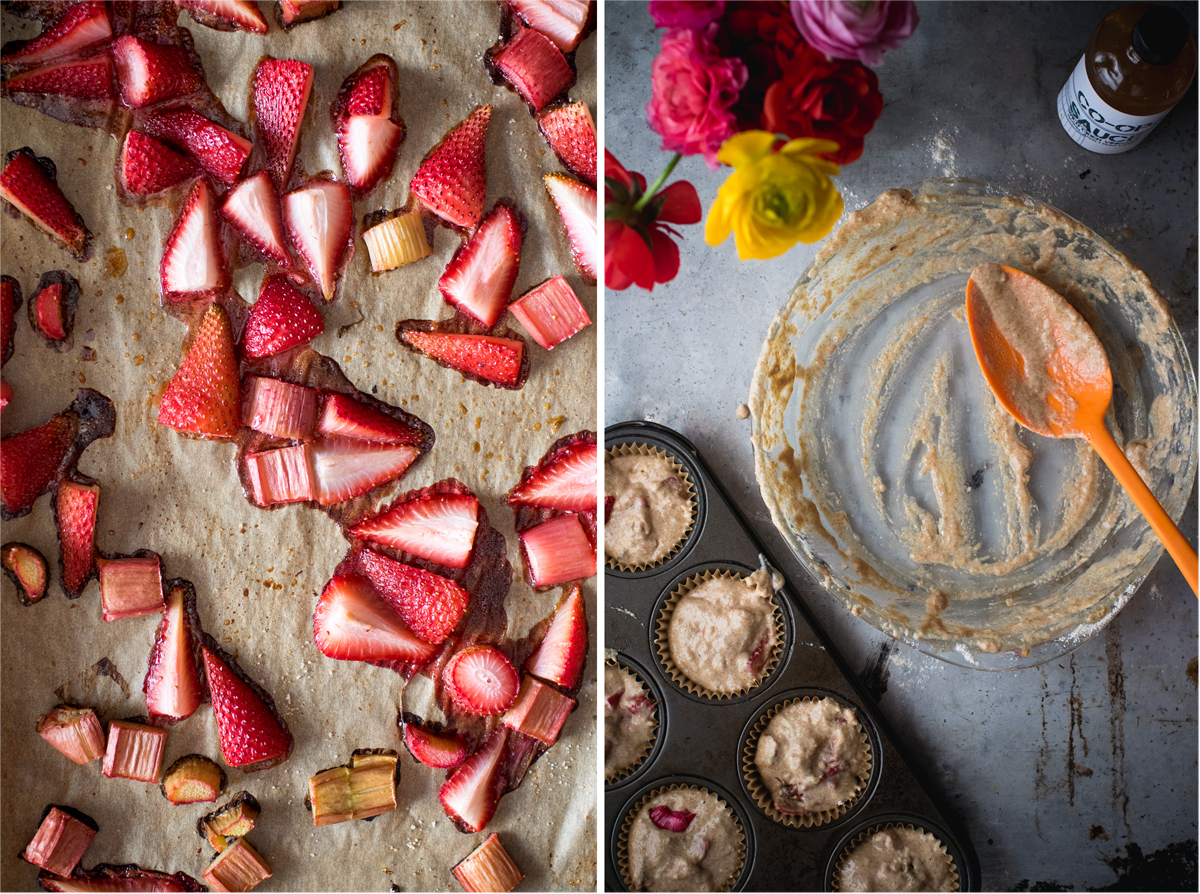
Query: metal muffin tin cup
(701,740)
(660,733)
(949,842)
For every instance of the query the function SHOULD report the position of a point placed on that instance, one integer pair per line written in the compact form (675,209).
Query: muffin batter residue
(897,859)
(630,721)
(684,840)
(651,512)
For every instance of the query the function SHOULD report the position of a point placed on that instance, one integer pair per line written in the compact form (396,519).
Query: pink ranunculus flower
(685,13)
(855,29)
(692,93)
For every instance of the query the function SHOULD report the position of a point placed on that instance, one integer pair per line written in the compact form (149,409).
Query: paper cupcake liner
(871,830)
(627,822)
(682,474)
(761,795)
(663,646)
(617,775)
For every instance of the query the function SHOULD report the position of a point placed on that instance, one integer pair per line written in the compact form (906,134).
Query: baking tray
(701,740)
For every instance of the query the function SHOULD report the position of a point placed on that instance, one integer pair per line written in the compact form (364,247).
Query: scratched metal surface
(1077,775)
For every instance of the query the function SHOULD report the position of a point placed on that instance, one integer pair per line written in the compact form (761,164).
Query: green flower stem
(657,185)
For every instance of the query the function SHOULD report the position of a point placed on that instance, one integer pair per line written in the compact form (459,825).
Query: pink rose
(685,13)
(692,92)
(855,29)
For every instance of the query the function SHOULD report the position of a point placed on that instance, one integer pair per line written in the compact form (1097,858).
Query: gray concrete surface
(1080,774)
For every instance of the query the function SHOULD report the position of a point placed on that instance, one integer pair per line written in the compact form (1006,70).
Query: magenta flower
(855,29)
(685,13)
(692,93)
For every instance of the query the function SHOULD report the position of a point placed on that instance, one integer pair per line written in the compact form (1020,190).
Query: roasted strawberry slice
(202,398)
(488,868)
(75,517)
(369,131)
(560,656)
(279,409)
(557,551)
(10,303)
(253,735)
(565,478)
(571,133)
(452,179)
(172,685)
(319,218)
(487,359)
(480,277)
(104,877)
(52,308)
(291,13)
(472,792)
(481,680)
(193,263)
(280,95)
(563,21)
(353,622)
(227,15)
(221,152)
(80,91)
(146,166)
(84,25)
(431,745)
(252,209)
(74,732)
(576,204)
(149,72)
(30,184)
(439,527)
(27,569)
(551,312)
(61,839)
(534,66)
(431,605)
(282,317)
(344,469)
(344,417)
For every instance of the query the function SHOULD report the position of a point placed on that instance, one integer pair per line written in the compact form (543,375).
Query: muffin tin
(701,740)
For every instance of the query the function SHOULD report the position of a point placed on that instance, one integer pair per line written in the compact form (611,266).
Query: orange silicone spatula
(1049,370)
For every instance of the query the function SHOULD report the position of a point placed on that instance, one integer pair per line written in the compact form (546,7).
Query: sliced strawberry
(75,517)
(452,179)
(252,209)
(227,15)
(172,684)
(480,277)
(202,397)
(576,204)
(431,745)
(46,313)
(369,132)
(281,318)
(563,21)
(10,303)
(481,680)
(551,312)
(84,25)
(439,527)
(344,469)
(558,551)
(280,95)
(279,409)
(6,394)
(29,461)
(30,184)
(535,67)
(368,90)
(221,152)
(346,417)
(146,166)
(560,656)
(253,735)
(295,12)
(571,133)
(150,72)
(430,604)
(470,795)
(193,263)
(284,475)
(352,622)
(565,478)
(488,359)
(319,219)
(88,81)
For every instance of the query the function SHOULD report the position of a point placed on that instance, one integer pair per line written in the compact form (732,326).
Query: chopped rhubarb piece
(30,184)
(470,795)
(296,12)
(488,868)
(238,868)
(558,551)
(671,820)
(220,152)
(353,622)
(452,178)
(75,516)
(61,840)
(130,588)
(344,469)
(488,359)
(479,278)
(431,745)
(150,72)
(282,317)
(559,658)
(135,751)
(346,417)
(233,820)
(280,90)
(361,789)
(571,133)
(319,218)
(26,568)
(193,779)
(172,684)
(551,312)
(563,21)
(439,527)
(576,204)
(252,209)
(535,67)
(280,476)
(83,25)
(397,241)
(481,680)
(539,711)
(565,478)
(104,878)
(432,605)
(278,408)
(253,735)
(76,732)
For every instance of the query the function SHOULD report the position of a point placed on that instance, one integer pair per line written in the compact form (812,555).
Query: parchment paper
(258,573)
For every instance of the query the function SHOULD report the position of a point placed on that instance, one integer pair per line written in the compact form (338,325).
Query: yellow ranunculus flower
(773,200)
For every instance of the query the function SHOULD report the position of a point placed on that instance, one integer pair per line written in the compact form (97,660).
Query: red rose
(829,99)
(764,36)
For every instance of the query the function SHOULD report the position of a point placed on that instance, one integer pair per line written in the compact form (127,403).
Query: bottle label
(1093,123)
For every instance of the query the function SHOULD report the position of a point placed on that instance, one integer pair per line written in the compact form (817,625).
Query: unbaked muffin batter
(704,856)
(651,509)
(812,757)
(629,720)
(897,859)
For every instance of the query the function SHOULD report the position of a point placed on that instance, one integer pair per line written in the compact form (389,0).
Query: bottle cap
(1160,35)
